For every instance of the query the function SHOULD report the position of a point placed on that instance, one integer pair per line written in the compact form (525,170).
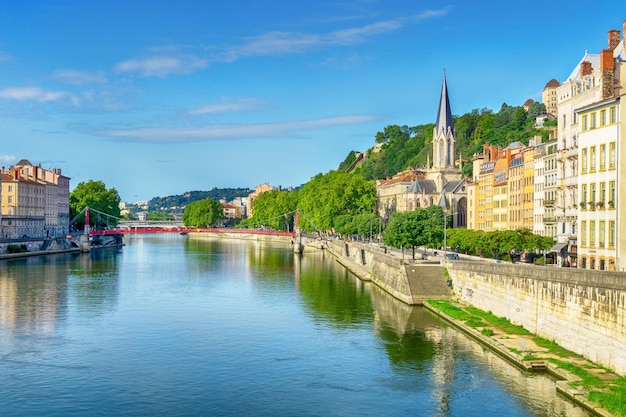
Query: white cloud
(162,65)
(7,160)
(34,94)
(80,77)
(278,43)
(226,106)
(233,131)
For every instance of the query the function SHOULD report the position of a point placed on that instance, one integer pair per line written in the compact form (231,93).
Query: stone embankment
(412,282)
(35,247)
(583,311)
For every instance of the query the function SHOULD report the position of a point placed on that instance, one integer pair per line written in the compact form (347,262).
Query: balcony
(571,181)
(572,152)
(549,203)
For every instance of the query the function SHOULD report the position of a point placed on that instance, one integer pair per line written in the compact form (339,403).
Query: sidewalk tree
(411,229)
(274,209)
(336,193)
(95,195)
(203,213)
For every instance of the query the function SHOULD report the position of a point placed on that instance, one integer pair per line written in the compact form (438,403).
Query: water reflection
(175,326)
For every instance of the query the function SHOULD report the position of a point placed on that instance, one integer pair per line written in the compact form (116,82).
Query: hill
(400,147)
(174,203)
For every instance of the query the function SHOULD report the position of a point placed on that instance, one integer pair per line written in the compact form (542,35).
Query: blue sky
(159,97)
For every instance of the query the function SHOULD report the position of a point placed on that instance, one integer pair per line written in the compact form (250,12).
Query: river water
(177,326)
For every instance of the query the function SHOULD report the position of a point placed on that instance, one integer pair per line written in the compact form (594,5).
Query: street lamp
(445,234)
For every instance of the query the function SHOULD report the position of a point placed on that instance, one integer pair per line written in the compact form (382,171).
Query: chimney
(607,73)
(614,37)
(585,68)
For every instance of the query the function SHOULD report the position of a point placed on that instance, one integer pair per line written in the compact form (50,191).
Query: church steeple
(444,139)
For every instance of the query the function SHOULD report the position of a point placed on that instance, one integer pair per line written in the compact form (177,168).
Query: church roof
(444,116)
(422,186)
(453,186)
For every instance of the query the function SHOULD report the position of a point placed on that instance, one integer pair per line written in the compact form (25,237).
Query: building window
(583,193)
(612,155)
(593,120)
(611,233)
(592,233)
(613,111)
(592,159)
(602,117)
(603,193)
(601,231)
(584,160)
(583,233)
(602,157)
(593,192)
(612,193)
(585,122)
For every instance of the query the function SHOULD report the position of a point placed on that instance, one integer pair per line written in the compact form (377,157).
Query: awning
(558,247)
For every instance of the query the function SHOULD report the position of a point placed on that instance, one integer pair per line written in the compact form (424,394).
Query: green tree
(274,209)
(96,196)
(327,196)
(159,215)
(421,227)
(203,213)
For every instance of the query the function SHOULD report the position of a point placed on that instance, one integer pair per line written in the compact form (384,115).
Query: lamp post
(445,234)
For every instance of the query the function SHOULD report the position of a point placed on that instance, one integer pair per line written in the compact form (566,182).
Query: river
(171,325)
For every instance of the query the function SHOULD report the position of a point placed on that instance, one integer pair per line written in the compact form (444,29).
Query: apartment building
(34,201)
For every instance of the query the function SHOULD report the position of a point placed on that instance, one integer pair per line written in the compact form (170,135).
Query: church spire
(444,116)
(444,140)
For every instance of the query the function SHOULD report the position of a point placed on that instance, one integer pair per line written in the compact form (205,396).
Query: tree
(421,227)
(159,215)
(274,209)
(95,195)
(327,196)
(203,213)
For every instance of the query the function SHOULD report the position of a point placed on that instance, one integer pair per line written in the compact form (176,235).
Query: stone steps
(427,281)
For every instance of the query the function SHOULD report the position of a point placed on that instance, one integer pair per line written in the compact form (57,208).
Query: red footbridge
(177,227)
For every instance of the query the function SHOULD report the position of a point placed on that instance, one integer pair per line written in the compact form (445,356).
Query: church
(441,183)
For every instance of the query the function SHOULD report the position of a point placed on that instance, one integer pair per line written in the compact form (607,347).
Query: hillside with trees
(177,202)
(402,147)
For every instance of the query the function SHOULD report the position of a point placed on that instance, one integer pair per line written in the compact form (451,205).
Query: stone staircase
(427,282)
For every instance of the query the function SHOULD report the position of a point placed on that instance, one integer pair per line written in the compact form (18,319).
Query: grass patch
(500,322)
(487,332)
(614,399)
(475,322)
(554,348)
(451,310)
(586,379)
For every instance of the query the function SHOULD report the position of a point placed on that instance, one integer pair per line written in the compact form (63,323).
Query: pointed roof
(444,116)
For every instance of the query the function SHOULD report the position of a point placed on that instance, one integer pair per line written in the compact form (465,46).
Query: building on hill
(440,184)
(260,189)
(549,96)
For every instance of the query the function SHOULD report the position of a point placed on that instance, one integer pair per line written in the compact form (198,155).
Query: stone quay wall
(371,263)
(581,310)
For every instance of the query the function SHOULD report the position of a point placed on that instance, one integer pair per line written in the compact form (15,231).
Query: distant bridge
(130,227)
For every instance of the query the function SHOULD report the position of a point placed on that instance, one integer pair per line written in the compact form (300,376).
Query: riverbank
(37,253)
(532,354)
(579,379)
